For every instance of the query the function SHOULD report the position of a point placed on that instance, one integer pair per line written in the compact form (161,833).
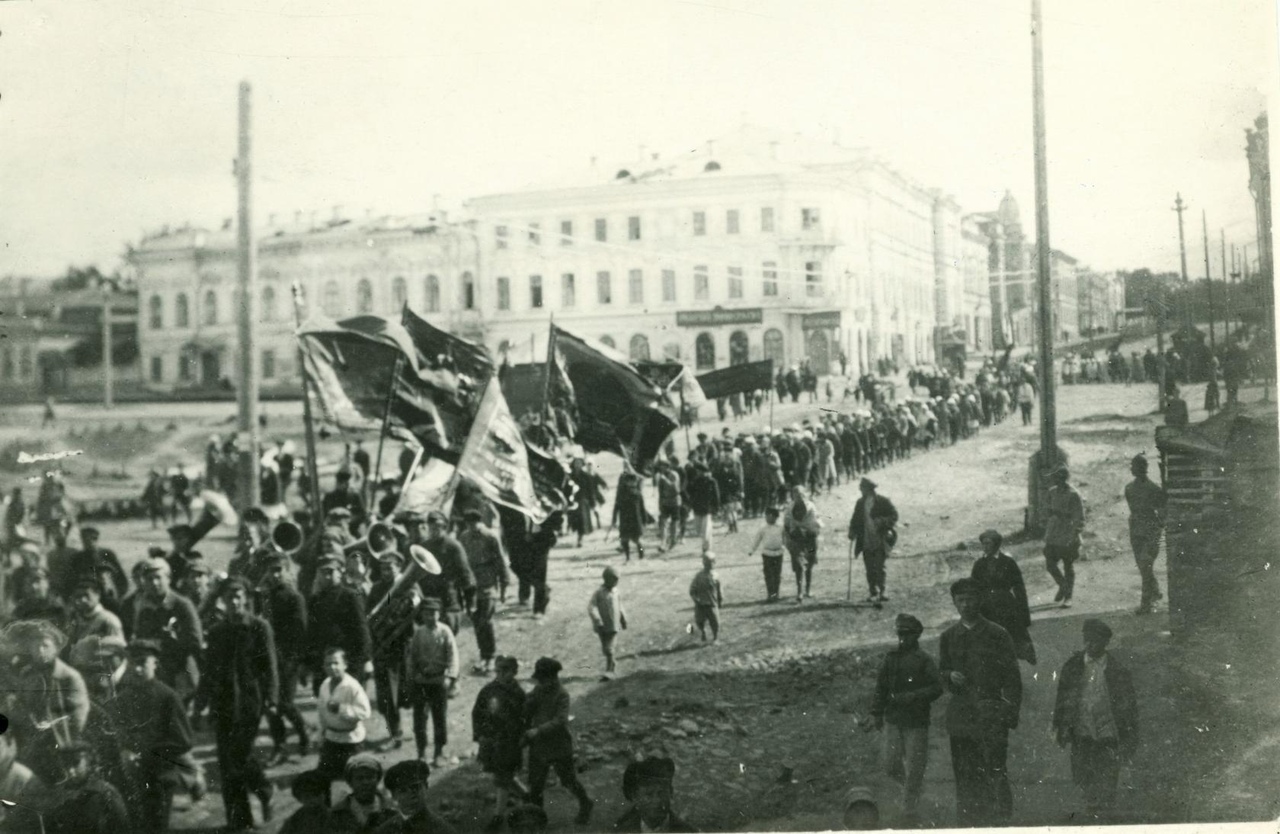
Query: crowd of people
(115,673)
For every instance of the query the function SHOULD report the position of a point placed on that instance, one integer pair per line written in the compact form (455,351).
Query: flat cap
(546,667)
(646,770)
(908,623)
(1096,629)
(407,775)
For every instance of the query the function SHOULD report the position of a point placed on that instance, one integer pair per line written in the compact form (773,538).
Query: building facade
(187,285)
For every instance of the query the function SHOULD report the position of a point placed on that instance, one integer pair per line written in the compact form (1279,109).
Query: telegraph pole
(247,272)
(1208,276)
(1048,410)
(108,373)
(1180,207)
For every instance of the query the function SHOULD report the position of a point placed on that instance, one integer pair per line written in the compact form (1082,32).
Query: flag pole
(386,415)
(546,376)
(683,422)
(771,393)
(313,475)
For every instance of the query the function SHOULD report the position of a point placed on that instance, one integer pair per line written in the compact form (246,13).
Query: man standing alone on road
(1004,594)
(980,670)
(1146,520)
(488,564)
(1064,522)
(871,529)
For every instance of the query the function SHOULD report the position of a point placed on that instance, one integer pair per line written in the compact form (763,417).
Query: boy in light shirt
(607,616)
(769,541)
(343,707)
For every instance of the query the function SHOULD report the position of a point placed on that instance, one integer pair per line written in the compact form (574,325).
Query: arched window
(468,291)
(210,307)
(432,304)
(182,311)
(156,317)
(332,301)
(399,293)
(739,348)
(704,351)
(268,311)
(6,363)
(671,351)
(364,296)
(25,365)
(608,340)
(639,348)
(775,348)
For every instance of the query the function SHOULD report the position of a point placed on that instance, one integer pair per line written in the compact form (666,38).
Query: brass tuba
(379,541)
(391,619)
(286,537)
(217,510)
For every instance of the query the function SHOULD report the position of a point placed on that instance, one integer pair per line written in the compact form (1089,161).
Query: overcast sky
(119,117)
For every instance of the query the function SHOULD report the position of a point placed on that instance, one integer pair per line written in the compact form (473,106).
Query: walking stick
(848,594)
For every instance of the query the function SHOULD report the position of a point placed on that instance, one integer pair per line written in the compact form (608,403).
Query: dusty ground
(784,686)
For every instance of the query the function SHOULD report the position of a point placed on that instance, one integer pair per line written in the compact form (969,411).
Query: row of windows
(188,362)
(810,220)
(704,348)
(635,286)
(25,365)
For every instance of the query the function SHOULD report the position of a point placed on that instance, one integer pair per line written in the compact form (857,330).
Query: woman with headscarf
(629,514)
(801,524)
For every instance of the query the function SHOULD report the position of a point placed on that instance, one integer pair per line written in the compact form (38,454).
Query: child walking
(707,599)
(343,707)
(607,616)
(769,541)
(431,667)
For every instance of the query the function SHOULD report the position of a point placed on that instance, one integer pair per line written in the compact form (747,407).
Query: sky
(118,118)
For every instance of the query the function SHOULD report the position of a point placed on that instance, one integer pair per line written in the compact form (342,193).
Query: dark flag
(737,379)
(357,366)
(618,410)
(457,372)
(496,457)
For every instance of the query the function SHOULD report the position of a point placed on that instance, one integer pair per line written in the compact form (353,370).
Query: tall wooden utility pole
(1208,275)
(247,389)
(1180,207)
(108,372)
(1048,410)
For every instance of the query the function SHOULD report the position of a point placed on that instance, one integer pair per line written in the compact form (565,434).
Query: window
(535,234)
(699,223)
(210,307)
(6,364)
(671,351)
(182,311)
(268,311)
(668,285)
(633,228)
(602,229)
(735,282)
(604,288)
(364,296)
(186,361)
(500,236)
(399,293)
(701,284)
(468,291)
(268,364)
(535,291)
(433,294)
(766,219)
(566,232)
(608,340)
(635,286)
(156,318)
(775,348)
(810,219)
(739,348)
(639,348)
(504,293)
(812,279)
(731,222)
(157,369)
(24,363)
(568,291)
(770,270)
(704,352)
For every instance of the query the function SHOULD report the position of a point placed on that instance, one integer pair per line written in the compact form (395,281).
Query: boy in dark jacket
(497,723)
(906,688)
(546,719)
(1097,714)
(707,598)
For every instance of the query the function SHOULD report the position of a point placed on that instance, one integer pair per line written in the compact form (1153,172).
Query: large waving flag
(496,459)
(618,409)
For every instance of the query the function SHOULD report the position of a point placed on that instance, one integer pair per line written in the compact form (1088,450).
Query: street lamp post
(1048,409)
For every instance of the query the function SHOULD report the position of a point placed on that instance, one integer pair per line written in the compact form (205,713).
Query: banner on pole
(737,379)
(496,459)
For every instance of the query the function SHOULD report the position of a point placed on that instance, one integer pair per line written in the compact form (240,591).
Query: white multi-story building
(187,283)
(751,247)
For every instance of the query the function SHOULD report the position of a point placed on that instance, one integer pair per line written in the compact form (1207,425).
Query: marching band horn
(379,540)
(421,563)
(286,537)
(217,510)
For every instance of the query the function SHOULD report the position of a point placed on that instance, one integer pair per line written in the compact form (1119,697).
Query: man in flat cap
(455,585)
(1064,523)
(1097,714)
(100,563)
(157,612)
(1004,594)
(345,496)
(336,617)
(488,562)
(497,724)
(407,784)
(240,683)
(906,688)
(546,721)
(88,615)
(367,806)
(1146,521)
(38,602)
(871,529)
(980,670)
(648,784)
(182,554)
(285,609)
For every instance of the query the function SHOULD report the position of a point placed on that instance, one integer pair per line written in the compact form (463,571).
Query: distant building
(186,280)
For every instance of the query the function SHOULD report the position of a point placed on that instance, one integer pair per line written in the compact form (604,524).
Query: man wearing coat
(240,683)
(1064,522)
(871,529)
(285,611)
(1004,594)
(156,612)
(1097,714)
(980,670)
(336,618)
